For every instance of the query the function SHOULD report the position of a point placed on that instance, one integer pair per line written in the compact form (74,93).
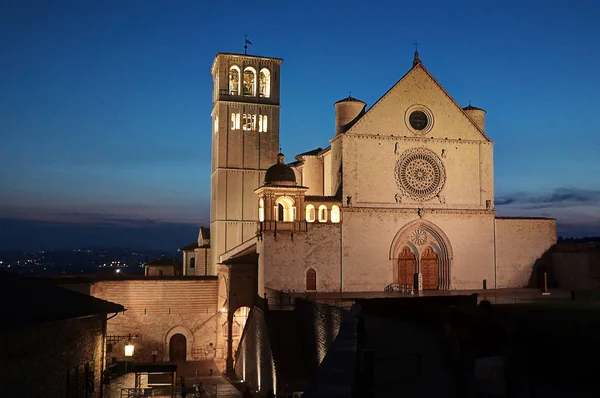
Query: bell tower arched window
(234,80)
(265,83)
(249,81)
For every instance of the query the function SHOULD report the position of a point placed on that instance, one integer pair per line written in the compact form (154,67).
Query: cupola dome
(280,173)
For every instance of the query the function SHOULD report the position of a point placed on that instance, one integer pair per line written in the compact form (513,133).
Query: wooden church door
(177,347)
(429,269)
(406,267)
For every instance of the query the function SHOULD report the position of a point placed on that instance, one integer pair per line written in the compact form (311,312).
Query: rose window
(420,174)
(419,236)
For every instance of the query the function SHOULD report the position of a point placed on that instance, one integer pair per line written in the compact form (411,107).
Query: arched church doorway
(429,269)
(421,246)
(406,267)
(177,347)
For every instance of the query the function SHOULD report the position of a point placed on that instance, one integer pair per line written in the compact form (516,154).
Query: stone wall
(519,243)
(281,350)
(284,262)
(44,360)
(158,309)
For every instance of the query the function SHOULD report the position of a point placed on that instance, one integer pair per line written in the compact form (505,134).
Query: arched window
(265,83)
(261,210)
(234,80)
(310,213)
(193,262)
(311,279)
(322,213)
(284,209)
(249,81)
(335,214)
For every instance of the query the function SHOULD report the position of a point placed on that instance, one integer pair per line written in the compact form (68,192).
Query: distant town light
(117,271)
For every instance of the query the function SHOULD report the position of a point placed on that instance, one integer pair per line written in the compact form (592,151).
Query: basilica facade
(403,195)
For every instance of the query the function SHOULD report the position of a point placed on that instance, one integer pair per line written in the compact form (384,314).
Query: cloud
(560,197)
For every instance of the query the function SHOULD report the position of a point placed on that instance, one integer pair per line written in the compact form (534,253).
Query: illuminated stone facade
(403,196)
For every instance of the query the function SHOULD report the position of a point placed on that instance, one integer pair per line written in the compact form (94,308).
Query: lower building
(53,340)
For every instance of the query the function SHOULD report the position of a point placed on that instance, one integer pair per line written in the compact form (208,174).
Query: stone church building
(401,198)
(403,194)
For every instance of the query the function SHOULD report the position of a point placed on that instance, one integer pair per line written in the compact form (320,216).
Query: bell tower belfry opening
(245,142)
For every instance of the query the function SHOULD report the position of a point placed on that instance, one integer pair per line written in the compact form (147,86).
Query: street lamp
(129,349)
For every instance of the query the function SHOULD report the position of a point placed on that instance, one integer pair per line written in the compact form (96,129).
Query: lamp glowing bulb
(129,348)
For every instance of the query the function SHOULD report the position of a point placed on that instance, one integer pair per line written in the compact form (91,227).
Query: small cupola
(477,115)
(280,173)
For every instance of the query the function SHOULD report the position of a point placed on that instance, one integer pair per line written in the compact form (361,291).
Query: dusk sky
(105,128)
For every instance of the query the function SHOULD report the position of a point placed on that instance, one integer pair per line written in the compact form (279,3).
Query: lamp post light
(129,349)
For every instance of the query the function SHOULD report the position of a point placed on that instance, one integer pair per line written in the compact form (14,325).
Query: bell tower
(245,143)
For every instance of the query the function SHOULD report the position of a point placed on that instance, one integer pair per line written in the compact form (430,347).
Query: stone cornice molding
(424,211)
(417,139)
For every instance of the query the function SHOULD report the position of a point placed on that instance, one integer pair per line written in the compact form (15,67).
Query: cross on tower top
(416,60)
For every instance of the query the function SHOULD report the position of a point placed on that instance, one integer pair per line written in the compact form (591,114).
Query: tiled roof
(525,218)
(350,99)
(163,261)
(31,301)
(472,108)
(317,198)
(309,153)
(189,247)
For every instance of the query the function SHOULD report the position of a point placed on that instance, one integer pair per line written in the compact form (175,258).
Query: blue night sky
(105,105)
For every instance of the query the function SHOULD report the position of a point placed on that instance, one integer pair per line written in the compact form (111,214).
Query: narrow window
(322,213)
(193,262)
(249,81)
(216,128)
(261,210)
(234,80)
(310,213)
(265,83)
(335,214)
(280,212)
(262,123)
(311,280)
(235,121)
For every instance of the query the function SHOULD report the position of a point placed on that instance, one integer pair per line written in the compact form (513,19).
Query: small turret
(477,115)
(347,112)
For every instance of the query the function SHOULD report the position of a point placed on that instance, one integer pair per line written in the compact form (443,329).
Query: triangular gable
(391,121)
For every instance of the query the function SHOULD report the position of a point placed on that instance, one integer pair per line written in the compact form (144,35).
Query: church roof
(280,173)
